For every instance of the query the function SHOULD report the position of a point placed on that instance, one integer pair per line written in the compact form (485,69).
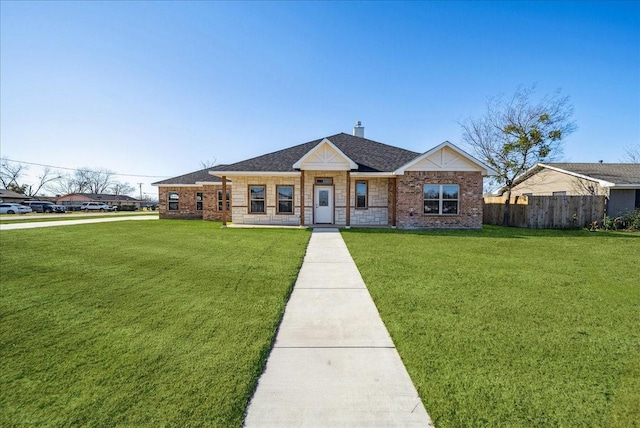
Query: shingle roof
(617,173)
(370,156)
(4,193)
(106,196)
(192,178)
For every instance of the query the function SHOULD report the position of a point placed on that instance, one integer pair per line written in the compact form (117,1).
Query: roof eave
(254,173)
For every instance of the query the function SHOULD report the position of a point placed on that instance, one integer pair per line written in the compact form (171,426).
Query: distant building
(110,199)
(12,197)
(619,182)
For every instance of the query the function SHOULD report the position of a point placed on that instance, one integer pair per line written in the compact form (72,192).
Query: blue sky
(155,88)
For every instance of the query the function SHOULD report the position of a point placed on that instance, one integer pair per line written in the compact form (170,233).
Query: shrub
(127,208)
(627,221)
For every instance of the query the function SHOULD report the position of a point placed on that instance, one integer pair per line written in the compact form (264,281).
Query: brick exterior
(410,203)
(187,202)
(409,207)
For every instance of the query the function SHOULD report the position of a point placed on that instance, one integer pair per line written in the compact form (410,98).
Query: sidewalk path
(36,224)
(333,363)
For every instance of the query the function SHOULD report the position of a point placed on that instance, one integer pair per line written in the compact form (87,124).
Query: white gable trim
(486,170)
(602,183)
(313,151)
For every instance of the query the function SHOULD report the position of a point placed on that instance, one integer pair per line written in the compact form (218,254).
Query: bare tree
(208,163)
(11,174)
(631,154)
(515,134)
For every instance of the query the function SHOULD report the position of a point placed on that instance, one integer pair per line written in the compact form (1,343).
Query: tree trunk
(507,209)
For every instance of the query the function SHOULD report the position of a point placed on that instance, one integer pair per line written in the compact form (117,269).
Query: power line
(76,169)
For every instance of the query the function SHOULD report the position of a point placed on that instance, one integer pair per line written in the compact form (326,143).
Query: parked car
(45,207)
(97,206)
(14,209)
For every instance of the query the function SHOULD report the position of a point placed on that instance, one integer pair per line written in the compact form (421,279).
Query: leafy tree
(516,133)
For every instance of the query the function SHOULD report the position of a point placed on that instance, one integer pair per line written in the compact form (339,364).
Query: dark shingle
(618,173)
(370,156)
(192,178)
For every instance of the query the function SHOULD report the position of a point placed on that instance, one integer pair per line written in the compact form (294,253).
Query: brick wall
(187,202)
(410,206)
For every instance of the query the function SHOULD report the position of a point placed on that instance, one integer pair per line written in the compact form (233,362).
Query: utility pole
(140,184)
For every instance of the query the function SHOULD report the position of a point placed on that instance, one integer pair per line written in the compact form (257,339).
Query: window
(199,201)
(220,200)
(285,199)
(441,198)
(324,181)
(257,199)
(173,201)
(562,193)
(361,194)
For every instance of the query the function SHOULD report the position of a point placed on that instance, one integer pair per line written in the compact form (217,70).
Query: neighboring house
(347,180)
(197,195)
(9,196)
(619,182)
(79,198)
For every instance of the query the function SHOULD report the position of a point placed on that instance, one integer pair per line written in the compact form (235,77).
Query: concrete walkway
(70,222)
(333,363)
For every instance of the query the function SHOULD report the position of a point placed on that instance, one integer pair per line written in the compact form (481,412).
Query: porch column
(301,197)
(348,225)
(394,200)
(224,201)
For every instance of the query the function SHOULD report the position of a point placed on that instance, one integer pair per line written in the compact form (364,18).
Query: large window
(173,201)
(285,199)
(361,194)
(220,200)
(199,201)
(441,199)
(257,199)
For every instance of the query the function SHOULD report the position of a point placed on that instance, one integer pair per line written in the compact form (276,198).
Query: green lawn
(512,327)
(164,323)
(35,217)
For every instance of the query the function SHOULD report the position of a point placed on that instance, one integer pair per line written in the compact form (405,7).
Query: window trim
(170,201)
(264,186)
(293,207)
(219,200)
(366,195)
(441,200)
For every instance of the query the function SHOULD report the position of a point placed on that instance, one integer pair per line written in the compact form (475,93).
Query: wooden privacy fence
(546,212)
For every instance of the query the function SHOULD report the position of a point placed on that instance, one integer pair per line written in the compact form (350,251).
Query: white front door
(323,203)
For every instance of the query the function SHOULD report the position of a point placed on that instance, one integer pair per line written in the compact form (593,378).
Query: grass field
(163,323)
(38,217)
(512,327)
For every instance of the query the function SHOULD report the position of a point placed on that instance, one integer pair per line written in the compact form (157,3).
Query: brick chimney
(358,130)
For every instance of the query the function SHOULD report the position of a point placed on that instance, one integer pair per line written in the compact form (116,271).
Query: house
(73,199)
(619,182)
(342,180)
(9,196)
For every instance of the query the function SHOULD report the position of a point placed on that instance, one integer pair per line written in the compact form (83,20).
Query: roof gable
(325,157)
(368,155)
(445,157)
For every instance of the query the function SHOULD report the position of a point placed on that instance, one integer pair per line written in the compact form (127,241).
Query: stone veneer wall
(377,212)
(410,198)
(240,200)
(339,195)
(187,202)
